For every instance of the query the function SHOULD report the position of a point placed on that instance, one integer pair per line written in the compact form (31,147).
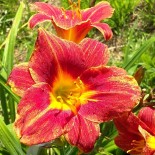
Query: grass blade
(9,141)
(4,105)
(8,89)
(8,56)
(138,53)
(12,106)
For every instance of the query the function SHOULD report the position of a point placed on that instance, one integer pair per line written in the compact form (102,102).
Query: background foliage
(132,46)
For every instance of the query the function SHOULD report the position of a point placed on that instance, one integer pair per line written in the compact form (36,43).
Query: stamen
(68,94)
(137,146)
(75,7)
(78,12)
(73,99)
(70,2)
(64,13)
(77,85)
(73,108)
(79,4)
(59,99)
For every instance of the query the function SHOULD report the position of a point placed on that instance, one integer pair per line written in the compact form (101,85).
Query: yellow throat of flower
(151,142)
(70,94)
(66,93)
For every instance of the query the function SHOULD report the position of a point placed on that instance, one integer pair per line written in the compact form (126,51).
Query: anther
(59,99)
(70,2)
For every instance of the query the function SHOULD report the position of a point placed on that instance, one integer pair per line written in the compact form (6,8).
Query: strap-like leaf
(10,41)
(9,141)
(8,89)
(138,53)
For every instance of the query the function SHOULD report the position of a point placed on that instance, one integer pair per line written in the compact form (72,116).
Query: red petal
(43,63)
(147,115)
(20,79)
(104,29)
(38,18)
(116,92)
(76,33)
(97,13)
(53,55)
(83,134)
(47,9)
(62,18)
(127,126)
(66,20)
(36,121)
(95,53)
(124,142)
(149,140)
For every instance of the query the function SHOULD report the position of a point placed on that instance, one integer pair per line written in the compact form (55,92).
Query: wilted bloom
(66,89)
(74,24)
(137,133)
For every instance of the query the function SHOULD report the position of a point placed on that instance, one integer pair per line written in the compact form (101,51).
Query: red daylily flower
(137,134)
(66,89)
(74,24)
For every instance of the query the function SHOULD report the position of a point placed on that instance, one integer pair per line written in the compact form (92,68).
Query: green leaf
(4,105)
(8,56)
(120,152)
(8,89)
(8,101)
(138,53)
(9,141)
(64,4)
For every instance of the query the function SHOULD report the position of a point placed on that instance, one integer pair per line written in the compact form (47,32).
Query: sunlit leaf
(9,141)
(8,56)
(138,53)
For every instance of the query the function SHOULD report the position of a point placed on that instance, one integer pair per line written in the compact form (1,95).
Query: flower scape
(66,88)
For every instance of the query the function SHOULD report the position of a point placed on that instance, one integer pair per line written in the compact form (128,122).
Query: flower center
(66,93)
(138,146)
